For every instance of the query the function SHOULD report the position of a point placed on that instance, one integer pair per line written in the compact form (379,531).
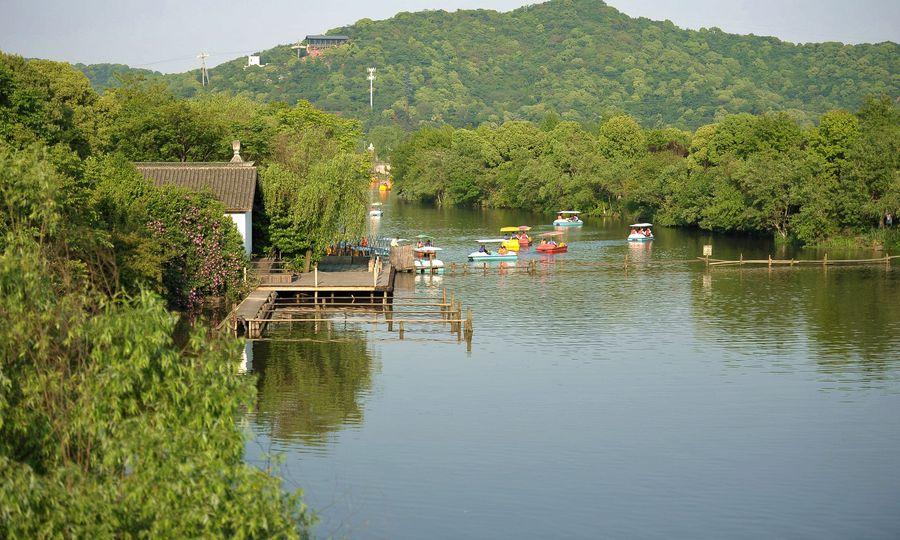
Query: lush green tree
(108,427)
(621,137)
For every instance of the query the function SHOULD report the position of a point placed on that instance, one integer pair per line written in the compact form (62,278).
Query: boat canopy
(509,229)
(641,225)
(553,233)
(423,236)
(428,249)
(524,228)
(491,240)
(375,204)
(569,212)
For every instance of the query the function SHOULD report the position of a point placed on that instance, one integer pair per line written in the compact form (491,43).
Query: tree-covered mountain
(580,58)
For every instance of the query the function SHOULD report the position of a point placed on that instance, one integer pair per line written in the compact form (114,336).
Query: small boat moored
(484,254)
(426,260)
(641,232)
(568,218)
(375,210)
(551,243)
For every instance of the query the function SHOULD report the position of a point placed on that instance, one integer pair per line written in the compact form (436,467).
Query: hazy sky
(166,35)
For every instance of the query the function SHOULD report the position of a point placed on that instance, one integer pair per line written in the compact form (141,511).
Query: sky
(167,35)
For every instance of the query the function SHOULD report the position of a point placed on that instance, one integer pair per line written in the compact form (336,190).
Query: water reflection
(846,319)
(308,389)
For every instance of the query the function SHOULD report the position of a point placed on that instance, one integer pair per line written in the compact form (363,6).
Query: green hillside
(580,58)
(103,76)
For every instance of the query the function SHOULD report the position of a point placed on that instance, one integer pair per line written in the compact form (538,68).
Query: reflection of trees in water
(309,389)
(747,309)
(849,318)
(854,318)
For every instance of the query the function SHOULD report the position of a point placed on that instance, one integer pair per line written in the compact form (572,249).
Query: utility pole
(298,46)
(204,75)
(371,78)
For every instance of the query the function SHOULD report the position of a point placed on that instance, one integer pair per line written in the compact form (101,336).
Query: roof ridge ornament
(236,146)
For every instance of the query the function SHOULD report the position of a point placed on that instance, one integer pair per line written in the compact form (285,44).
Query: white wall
(244,223)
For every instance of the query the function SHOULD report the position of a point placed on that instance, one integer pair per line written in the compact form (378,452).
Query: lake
(665,401)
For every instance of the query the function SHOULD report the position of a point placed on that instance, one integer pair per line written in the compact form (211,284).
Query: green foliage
(580,58)
(108,428)
(747,173)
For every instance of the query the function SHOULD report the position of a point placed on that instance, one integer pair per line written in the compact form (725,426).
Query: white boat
(376,210)
(488,255)
(568,218)
(637,236)
(426,260)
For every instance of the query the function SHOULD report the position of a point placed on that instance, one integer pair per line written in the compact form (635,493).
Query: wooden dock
(346,283)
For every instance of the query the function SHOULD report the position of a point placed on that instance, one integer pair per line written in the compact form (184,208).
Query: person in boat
(647,233)
(482,249)
(419,244)
(502,250)
(559,217)
(429,243)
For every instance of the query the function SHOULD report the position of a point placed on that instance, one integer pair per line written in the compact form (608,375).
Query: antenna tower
(371,78)
(204,74)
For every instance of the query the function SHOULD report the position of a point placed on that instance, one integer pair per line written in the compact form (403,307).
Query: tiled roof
(333,37)
(234,184)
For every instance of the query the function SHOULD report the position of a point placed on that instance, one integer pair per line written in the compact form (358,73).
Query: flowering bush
(204,252)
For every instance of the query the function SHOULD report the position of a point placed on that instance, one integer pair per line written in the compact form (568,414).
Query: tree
(621,137)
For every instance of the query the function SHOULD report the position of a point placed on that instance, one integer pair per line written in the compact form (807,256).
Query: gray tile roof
(234,184)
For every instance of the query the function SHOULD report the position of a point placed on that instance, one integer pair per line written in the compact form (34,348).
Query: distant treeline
(108,426)
(751,173)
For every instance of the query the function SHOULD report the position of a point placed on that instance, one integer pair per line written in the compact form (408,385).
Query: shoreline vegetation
(830,185)
(115,420)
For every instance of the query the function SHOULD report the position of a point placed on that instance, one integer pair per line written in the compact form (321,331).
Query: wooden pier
(825,262)
(346,295)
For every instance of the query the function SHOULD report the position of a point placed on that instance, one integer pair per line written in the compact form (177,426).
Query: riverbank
(879,240)
(746,173)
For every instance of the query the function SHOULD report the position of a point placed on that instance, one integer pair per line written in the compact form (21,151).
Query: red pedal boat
(550,243)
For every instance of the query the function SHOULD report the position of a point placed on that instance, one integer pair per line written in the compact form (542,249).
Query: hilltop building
(232,183)
(317,43)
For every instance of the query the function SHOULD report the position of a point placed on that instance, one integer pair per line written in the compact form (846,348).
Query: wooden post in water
(315,284)
(825,260)
(770,260)
(485,268)
(469,328)
(741,262)
(401,328)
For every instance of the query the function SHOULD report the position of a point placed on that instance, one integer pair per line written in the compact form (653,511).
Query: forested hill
(580,58)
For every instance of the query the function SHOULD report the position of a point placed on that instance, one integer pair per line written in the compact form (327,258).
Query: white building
(233,183)
(253,60)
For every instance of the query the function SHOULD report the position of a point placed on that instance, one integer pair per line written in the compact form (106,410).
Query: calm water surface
(667,401)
